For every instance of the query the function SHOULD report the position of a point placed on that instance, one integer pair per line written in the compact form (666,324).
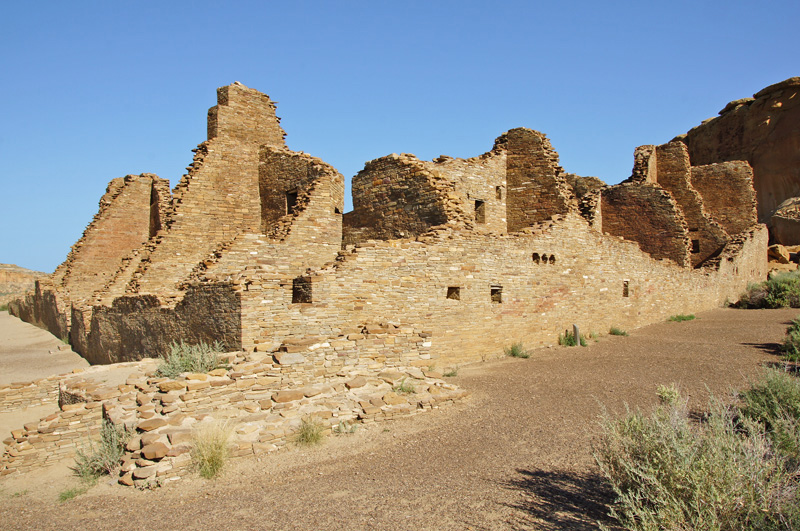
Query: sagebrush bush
(190,358)
(103,457)
(682,317)
(780,291)
(669,472)
(404,387)
(614,331)
(517,350)
(791,344)
(774,402)
(210,447)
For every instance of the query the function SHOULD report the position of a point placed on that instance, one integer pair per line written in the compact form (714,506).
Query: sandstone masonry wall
(536,189)
(728,195)
(647,214)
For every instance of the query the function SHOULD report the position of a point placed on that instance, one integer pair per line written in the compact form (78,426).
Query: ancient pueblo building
(447,260)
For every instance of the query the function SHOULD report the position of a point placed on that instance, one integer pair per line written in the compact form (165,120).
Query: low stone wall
(21,395)
(264,399)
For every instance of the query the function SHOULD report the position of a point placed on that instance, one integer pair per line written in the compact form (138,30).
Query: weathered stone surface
(358,381)
(155,450)
(126,479)
(288,358)
(172,385)
(152,424)
(778,253)
(287,396)
(145,472)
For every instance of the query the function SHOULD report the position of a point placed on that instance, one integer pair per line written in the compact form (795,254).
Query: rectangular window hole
(498,192)
(291,201)
(625,288)
(301,290)
(695,246)
(496,293)
(480,211)
(454,293)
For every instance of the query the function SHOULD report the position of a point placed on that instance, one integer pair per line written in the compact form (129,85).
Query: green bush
(210,448)
(104,457)
(567,339)
(517,350)
(780,291)
(774,403)
(3,307)
(682,317)
(791,344)
(190,358)
(614,331)
(669,472)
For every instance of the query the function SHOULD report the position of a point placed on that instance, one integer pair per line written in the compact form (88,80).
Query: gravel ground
(516,455)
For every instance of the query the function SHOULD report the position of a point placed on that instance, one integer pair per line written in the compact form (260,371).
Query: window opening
(496,293)
(454,293)
(498,192)
(301,290)
(291,201)
(552,259)
(480,211)
(695,246)
(536,258)
(544,259)
(625,288)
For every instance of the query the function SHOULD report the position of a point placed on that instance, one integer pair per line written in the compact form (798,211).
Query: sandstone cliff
(15,281)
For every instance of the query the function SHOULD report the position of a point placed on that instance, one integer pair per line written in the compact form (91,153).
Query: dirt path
(517,455)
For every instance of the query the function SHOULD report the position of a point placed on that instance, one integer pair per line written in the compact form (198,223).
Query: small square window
(496,293)
(695,246)
(498,192)
(625,288)
(301,290)
(480,211)
(454,293)
(291,201)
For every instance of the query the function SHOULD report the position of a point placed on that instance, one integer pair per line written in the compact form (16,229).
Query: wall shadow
(561,500)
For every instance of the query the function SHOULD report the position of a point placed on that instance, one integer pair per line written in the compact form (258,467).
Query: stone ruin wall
(277,238)
(765,132)
(727,192)
(560,273)
(218,198)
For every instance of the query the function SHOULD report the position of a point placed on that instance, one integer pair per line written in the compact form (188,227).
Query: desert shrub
(190,358)
(669,472)
(567,339)
(780,291)
(452,371)
(791,344)
(774,403)
(668,395)
(682,317)
(102,458)
(345,428)
(310,432)
(210,447)
(614,331)
(516,350)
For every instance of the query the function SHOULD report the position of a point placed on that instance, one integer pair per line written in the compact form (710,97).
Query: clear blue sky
(96,90)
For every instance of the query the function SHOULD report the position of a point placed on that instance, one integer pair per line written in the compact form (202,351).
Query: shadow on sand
(560,500)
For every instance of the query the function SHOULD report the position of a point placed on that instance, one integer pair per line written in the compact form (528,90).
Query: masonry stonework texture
(440,262)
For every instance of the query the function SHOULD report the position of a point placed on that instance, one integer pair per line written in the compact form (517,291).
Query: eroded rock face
(15,281)
(785,222)
(764,131)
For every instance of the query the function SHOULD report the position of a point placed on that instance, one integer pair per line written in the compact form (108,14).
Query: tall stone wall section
(536,189)
(674,175)
(728,195)
(218,198)
(763,131)
(647,214)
